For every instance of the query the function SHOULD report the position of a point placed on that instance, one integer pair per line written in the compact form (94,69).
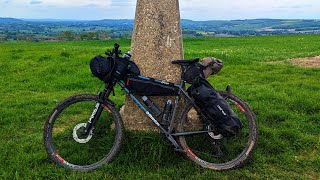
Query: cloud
(123,3)
(190,9)
(69,9)
(247,9)
(35,2)
(63,3)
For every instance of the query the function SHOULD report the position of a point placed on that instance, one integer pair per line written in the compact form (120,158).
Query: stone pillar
(156,41)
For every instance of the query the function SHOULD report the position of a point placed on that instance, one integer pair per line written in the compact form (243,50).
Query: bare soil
(306,62)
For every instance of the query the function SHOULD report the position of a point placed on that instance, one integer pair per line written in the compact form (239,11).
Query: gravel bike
(85,131)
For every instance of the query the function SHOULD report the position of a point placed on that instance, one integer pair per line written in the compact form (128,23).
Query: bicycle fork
(93,119)
(97,111)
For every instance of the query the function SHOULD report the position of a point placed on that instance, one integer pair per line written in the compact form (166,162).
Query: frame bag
(214,106)
(150,87)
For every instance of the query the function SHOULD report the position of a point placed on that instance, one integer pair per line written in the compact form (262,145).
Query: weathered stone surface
(156,41)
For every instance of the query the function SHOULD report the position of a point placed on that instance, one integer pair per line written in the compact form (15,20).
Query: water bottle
(152,107)
(166,117)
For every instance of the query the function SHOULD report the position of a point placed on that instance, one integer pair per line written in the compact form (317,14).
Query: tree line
(64,36)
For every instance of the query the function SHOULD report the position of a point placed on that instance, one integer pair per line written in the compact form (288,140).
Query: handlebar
(115,51)
(116,46)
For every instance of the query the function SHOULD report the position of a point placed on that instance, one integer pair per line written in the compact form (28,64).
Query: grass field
(285,98)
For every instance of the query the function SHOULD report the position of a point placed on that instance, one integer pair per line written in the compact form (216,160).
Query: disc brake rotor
(77,134)
(216,143)
(212,135)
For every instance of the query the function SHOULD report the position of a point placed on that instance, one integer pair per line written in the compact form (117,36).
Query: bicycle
(81,138)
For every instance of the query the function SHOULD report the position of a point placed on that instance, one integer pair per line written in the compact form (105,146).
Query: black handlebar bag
(120,68)
(102,67)
(106,68)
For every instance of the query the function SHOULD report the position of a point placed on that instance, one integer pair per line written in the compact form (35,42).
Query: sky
(189,9)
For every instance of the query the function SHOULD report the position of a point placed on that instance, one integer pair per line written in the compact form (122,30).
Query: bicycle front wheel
(211,150)
(65,142)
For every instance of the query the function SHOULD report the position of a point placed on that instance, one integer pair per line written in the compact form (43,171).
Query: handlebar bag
(133,69)
(215,108)
(121,68)
(144,86)
(105,68)
(101,67)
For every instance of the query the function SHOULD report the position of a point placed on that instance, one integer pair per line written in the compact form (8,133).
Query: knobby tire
(202,149)
(61,137)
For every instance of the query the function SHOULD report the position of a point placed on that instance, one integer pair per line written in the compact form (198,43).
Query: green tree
(89,36)
(4,37)
(103,36)
(67,35)
(24,37)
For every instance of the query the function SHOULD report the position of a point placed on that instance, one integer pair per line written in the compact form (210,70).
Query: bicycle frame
(103,96)
(168,132)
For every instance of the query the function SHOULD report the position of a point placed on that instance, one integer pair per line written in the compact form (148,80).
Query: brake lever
(109,53)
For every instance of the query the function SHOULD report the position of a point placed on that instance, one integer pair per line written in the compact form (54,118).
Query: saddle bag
(193,73)
(208,67)
(211,66)
(216,108)
(144,86)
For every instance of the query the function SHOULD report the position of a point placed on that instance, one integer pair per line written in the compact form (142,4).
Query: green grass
(34,77)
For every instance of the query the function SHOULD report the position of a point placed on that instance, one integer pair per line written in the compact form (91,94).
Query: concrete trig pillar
(156,41)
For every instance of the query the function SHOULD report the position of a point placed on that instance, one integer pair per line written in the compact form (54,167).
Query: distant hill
(122,28)
(9,20)
(113,21)
(254,26)
(207,26)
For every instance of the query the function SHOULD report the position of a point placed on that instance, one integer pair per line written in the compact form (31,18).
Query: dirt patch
(306,62)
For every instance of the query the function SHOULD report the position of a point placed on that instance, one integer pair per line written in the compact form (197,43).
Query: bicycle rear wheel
(65,142)
(212,151)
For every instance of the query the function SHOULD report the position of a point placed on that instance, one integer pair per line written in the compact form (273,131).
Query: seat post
(183,70)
